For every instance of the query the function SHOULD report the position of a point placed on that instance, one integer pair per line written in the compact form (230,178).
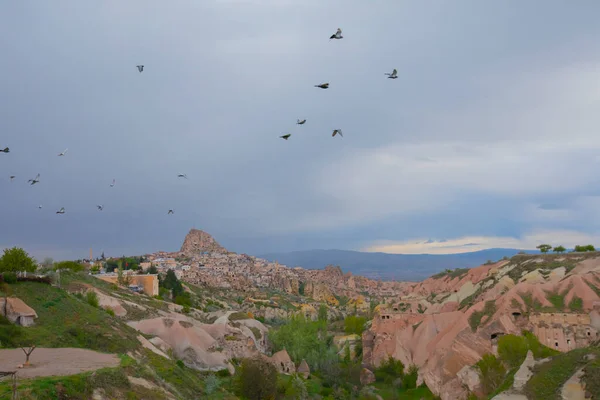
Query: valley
(197,322)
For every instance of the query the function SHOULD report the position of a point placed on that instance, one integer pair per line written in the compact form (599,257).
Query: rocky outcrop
(194,343)
(469,376)
(197,241)
(366,376)
(282,361)
(320,292)
(17,311)
(574,389)
(304,369)
(525,372)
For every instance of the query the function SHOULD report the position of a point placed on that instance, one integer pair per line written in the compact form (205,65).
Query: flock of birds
(140,68)
(336,35)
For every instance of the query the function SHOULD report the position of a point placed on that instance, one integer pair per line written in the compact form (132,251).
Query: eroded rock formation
(197,241)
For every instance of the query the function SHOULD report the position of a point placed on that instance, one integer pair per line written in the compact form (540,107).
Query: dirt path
(55,362)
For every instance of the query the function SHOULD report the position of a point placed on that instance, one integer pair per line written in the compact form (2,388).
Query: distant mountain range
(405,267)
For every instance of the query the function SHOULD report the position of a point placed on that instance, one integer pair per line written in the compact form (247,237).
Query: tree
(70,265)
(256,379)
(491,372)
(322,316)
(296,390)
(389,370)
(172,283)
(354,324)
(123,280)
(27,354)
(544,248)
(152,270)
(16,260)
(48,262)
(588,247)
(559,249)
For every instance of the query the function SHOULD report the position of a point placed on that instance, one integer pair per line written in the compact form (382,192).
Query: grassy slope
(548,378)
(64,320)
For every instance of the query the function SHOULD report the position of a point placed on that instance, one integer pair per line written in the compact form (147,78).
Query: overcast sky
(489,137)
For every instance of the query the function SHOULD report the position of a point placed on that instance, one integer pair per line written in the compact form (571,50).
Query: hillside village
(180,325)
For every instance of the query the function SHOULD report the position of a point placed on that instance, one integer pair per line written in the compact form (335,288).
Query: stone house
(17,311)
(282,361)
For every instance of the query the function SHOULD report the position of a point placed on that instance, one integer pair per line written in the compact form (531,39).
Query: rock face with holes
(448,322)
(205,346)
(282,361)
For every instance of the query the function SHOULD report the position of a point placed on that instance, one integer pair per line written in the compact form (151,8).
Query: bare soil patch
(55,362)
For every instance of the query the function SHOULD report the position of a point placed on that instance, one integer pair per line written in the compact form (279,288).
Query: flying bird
(182,176)
(34,180)
(5,150)
(61,211)
(140,68)
(113,183)
(323,86)
(337,34)
(100,207)
(63,153)
(393,75)
(12,177)
(301,122)
(170,212)
(40,206)
(286,136)
(337,131)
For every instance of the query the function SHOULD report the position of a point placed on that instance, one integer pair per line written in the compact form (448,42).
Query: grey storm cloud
(450,148)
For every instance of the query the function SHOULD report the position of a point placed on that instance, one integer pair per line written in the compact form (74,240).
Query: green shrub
(10,334)
(9,277)
(183,300)
(180,364)
(211,384)
(223,373)
(475,319)
(110,312)
(539,350)
(236,316)
(576,304)
(491,373)
(389,370)
(354,325)
(256,379)
(256,332)
(512,349)
(411,377)
(92,298)
(557,300)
